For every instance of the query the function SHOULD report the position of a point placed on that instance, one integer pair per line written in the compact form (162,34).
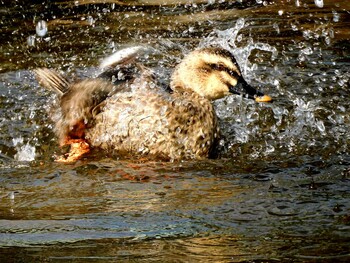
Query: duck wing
(122,57)
(120,67)
(52,80)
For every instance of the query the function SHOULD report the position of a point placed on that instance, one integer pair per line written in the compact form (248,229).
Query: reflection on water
(208,210)
(280,191)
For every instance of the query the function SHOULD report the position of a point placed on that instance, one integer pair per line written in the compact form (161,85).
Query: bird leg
(78,147)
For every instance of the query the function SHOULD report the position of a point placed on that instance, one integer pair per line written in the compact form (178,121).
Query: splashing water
(302,119)
(239,117)
(283,162)
(229,38)
(25,152)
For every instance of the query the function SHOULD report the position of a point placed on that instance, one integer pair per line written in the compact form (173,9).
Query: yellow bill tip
(265,98)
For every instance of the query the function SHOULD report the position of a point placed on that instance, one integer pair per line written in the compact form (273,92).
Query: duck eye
(223,67)
(219,67)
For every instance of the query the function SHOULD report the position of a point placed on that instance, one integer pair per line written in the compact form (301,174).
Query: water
(279,192)
(41,28)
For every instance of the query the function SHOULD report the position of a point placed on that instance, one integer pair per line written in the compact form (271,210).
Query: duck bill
(247,91)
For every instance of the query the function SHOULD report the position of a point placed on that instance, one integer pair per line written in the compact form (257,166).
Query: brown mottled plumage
(132,114)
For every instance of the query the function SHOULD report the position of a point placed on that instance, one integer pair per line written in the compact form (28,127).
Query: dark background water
(281,190)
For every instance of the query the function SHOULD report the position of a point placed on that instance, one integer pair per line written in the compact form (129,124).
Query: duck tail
(52,80)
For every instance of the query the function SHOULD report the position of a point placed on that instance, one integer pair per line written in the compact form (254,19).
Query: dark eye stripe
(222,53)
(220,67)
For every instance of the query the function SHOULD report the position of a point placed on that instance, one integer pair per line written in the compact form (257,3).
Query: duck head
(213,73)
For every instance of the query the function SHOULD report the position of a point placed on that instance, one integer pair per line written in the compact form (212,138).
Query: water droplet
(90,20)
(336,16)
(307,34)
(307,51)
(240,23)
(120,76)
(319,3)
(276,27)
(341,82)
(327,40)
(31,41)
(294,27)
(41,28)
(269,149)
(320,126)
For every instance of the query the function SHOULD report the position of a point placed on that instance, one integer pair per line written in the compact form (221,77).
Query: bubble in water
(41,28)
(31,41)
(319,3)
(259,1)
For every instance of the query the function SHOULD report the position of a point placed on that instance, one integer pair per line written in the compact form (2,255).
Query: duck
(125,109)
